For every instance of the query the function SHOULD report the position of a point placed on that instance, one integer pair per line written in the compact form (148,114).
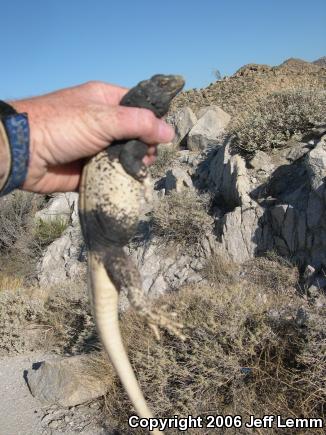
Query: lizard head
(154,94)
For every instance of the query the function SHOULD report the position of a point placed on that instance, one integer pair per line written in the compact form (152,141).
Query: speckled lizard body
(113,188)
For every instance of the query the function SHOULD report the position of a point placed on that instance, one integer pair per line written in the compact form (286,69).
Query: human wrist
(5,158)
(14,148)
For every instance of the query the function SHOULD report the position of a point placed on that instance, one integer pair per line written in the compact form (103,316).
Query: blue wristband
(17,130)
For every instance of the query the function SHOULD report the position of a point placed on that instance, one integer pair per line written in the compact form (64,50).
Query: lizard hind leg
(124,274)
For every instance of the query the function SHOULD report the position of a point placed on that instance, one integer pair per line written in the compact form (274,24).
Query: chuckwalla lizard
(113,188)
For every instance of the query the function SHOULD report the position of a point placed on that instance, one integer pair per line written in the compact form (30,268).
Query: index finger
(111,94)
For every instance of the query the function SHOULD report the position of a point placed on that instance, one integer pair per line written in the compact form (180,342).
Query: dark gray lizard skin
(113,190)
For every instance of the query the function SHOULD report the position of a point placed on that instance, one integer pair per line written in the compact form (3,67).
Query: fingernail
(166,132)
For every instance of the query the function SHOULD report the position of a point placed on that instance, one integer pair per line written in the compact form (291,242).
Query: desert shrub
(182,219)
(18,247)
(271,120)
(16,218)
(164,159)
(45,232)
(245,354)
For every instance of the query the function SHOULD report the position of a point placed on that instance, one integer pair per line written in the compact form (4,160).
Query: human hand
(72,124)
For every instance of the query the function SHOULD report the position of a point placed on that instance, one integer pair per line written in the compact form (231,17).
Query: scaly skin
(112,193)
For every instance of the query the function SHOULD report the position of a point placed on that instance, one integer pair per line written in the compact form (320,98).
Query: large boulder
(63,382)
(182,120)
(208,129)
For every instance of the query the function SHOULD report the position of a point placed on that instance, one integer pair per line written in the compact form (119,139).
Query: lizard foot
(157,319)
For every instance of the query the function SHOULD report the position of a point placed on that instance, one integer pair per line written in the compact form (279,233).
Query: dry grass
(164,159)
(273,273)
(45,232)
(219,268)
(55,319)
(182,219)
(22,238)
(9,282)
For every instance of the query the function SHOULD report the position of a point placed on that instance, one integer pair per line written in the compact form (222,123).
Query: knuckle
(94,85)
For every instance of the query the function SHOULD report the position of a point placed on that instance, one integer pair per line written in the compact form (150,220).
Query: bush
(18,247)
(182,219)
(272,120)
(16,219)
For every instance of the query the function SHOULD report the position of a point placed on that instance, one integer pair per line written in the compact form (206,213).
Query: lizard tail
(105,305)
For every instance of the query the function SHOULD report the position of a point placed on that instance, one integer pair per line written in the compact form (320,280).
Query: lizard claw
(156,320)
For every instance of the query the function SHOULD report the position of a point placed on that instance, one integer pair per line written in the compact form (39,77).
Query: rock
(241,233)
(315,211)
(162,269)
(228,177)
(261,161)
(177,179)
(297,151)
(64,258)
(316,164)
(208,129)
(182,120)
(62,206)
(63,382)
(315,133)
(278,215)
(188,158)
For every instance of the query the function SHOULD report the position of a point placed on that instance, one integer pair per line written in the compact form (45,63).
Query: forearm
(4,157)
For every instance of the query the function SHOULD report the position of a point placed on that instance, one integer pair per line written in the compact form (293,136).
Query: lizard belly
(112,203)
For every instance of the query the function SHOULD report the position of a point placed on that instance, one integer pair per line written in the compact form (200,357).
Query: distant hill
(320,62)
(253,80)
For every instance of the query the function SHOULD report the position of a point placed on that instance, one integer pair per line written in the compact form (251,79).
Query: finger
(128,122)
(113,94)
(152,150)
(149,160)
(100,92)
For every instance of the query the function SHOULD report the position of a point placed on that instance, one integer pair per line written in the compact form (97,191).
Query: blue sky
(46,45)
